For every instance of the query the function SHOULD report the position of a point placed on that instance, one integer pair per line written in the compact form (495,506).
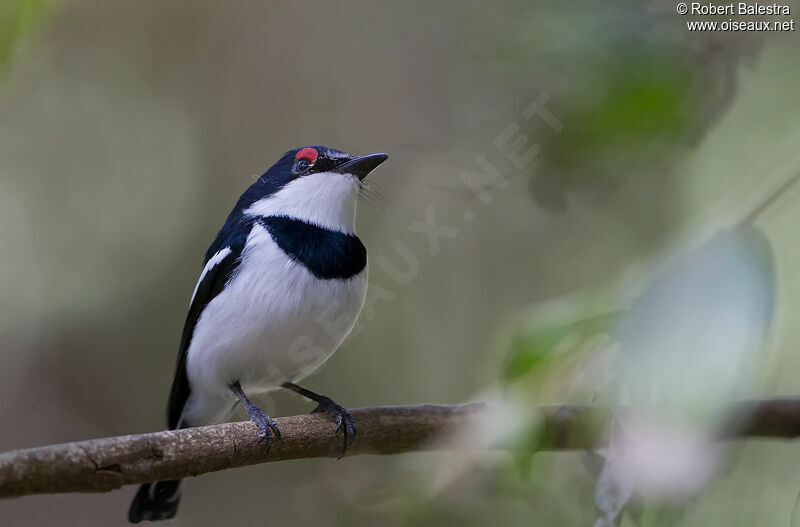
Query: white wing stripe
(212,262)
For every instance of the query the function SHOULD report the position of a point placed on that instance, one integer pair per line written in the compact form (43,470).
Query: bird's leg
(344,421)
(267,425)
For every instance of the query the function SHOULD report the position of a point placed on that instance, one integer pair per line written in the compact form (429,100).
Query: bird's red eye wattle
(307,154)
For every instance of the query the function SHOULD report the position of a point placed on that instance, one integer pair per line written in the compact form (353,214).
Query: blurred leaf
(554,344)
(524,446)
(688,346)
(641,102)
(18,19)
(626,118)
(533,350)
(690,343)
(523,462)
(632,89)
(614,484)
(594,462)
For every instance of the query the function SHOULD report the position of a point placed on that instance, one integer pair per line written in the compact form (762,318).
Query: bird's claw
(268,426)
(344,421)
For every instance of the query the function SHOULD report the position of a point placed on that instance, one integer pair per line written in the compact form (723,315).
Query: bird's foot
(344,421)
(267,425)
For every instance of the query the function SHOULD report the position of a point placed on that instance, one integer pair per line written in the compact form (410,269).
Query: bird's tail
(155,501)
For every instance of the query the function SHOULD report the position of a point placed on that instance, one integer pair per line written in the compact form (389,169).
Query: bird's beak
(361,166)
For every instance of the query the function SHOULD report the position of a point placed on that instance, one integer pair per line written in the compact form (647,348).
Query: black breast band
(327,254)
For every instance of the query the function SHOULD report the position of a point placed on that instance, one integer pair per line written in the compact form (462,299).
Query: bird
(282,285)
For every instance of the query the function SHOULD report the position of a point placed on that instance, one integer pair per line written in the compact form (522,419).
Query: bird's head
(315,184)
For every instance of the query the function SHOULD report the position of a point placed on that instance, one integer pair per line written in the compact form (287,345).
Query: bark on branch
(101,465)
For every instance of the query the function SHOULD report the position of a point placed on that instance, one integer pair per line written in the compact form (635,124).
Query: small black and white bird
(286,263)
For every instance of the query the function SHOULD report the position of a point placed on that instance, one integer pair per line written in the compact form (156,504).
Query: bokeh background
(128,130)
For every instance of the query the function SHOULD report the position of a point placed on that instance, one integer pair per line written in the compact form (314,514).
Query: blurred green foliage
(642,102)
(18,20)
(532,350)
(544,355)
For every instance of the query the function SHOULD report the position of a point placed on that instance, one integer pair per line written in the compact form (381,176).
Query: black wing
(210,285)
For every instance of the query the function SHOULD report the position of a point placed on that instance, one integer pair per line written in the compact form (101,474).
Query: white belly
(274,322)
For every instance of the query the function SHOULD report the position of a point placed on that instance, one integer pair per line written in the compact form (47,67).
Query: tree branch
(101,465)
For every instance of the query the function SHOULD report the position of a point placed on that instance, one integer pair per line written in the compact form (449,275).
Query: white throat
(326,199)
